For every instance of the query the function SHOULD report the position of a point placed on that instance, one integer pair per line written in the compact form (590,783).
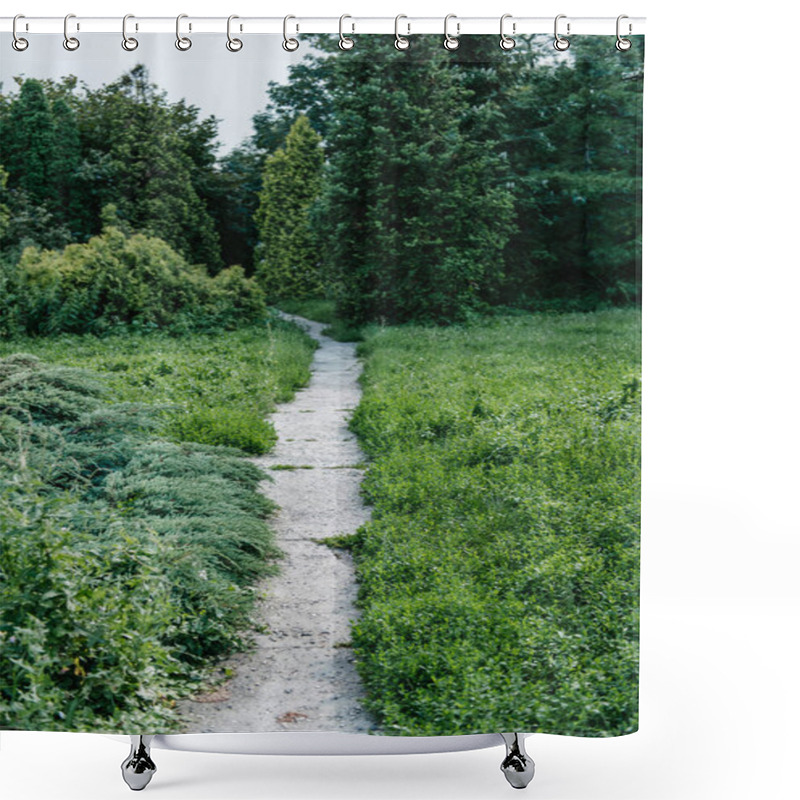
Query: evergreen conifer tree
(285,257)
(415,213)
(28,143)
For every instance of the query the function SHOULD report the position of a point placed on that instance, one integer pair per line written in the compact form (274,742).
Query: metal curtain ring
(345,42)
(506,42)
(290,45)
(401,42)
(234,45)
(128,42)
(70,42)
(451,42)
(18,43)
(560,43)
(183,43)
(623,44)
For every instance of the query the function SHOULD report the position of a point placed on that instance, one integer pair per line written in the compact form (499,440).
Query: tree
(414,215)
(286,260)
(573,140)
(153,159)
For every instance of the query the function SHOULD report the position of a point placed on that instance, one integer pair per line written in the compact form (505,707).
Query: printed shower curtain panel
(320,385)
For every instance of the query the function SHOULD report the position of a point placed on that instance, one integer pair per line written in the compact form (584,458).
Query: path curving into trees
(301,674)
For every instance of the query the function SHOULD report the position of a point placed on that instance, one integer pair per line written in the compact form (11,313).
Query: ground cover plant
(149,546)
(214,388)
(499,572)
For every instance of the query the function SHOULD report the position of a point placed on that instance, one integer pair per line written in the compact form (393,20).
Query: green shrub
(228,427)
(125,562)
(82,617)
(115,280)
(216,388)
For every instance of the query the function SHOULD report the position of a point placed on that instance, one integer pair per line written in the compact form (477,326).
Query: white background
(720,598)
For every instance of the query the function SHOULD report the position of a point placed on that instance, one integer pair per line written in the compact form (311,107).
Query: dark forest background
(408,186)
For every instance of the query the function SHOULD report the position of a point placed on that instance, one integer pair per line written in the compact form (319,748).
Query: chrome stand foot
(517,766)
(138,768)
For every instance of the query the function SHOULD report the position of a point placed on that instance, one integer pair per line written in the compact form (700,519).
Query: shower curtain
(320,384)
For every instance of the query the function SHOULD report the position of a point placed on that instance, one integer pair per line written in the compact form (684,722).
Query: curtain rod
(408,25)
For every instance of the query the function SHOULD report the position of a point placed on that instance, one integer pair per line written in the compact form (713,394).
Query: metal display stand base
(138,768)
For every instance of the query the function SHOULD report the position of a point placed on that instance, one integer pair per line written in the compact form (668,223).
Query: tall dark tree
(65,169)
(415,214)
(573,133)
(28,143)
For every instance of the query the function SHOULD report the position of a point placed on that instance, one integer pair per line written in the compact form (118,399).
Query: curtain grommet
(451,42)
(401,42)
(345,42)
(182,43)
(623,44)
(289,44)
(560,43)
(19,43)
(507,42)
(128,42)
(71,43)
(233,44)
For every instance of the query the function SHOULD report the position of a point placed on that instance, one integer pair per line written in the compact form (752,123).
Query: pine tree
(573,130)
(286,258)
(414,214)
(28,143)
(64,170)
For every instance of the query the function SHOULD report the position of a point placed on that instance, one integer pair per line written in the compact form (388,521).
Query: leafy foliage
(499,572)
(70,150)
(214,388)
(115,280)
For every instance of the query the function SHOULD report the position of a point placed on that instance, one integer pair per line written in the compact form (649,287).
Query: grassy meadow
(499,572)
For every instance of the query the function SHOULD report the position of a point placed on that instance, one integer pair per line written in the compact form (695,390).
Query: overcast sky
(231,86)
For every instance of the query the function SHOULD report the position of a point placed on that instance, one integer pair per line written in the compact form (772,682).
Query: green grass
(321,310)
(215,388)
(127,560)
(499,572)
(316,308)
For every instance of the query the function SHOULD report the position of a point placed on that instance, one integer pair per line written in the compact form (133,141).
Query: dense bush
(499,572)
(118,279)
(125,561)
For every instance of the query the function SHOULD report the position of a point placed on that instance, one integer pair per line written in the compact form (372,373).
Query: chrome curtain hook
(18,43)
(128,42)
(183,43)
(560,43)
(451,42)
(289,45)
(506,42)
(401,42)
(345,42)
(70,42)
(623,44)
(234,45)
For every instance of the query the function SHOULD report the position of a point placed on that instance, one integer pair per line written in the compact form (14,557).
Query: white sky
(229,85)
